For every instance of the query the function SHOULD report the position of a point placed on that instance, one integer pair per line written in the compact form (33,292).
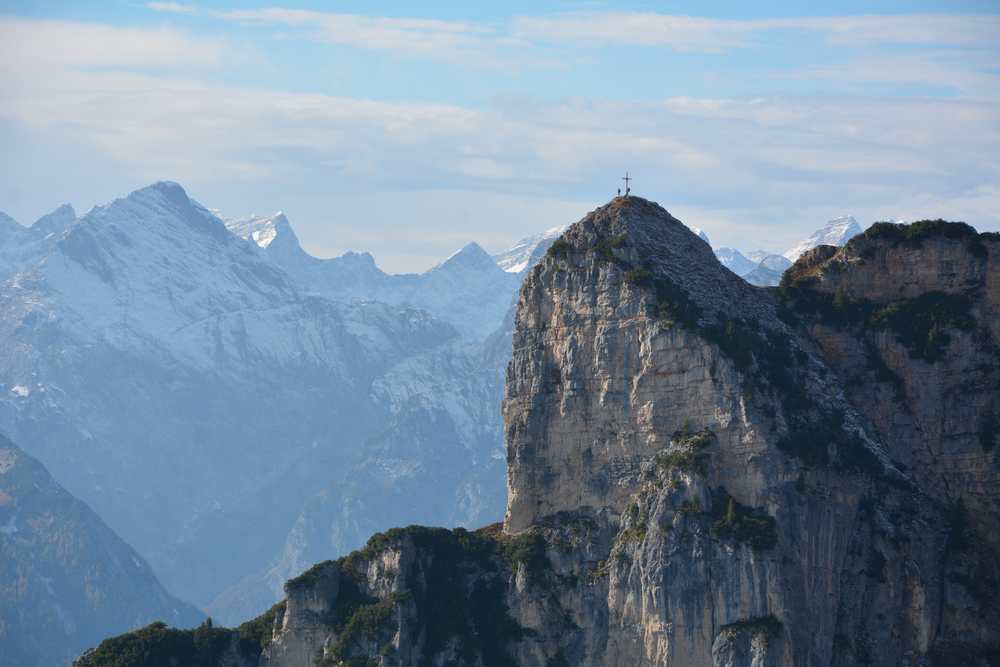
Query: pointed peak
(168,190)
(836,232)
(641,224)
(636,213)
(470,255)
(263,230)
(639,243)
(55,222)
(519,256)
(471,248)
(163,203)
(735,261)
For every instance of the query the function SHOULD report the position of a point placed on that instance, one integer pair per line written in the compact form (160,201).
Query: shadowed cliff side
(697,475)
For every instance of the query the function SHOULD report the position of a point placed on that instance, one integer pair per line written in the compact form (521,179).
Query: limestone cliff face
(701,472)
(599,381)
(910,320)
(650,390)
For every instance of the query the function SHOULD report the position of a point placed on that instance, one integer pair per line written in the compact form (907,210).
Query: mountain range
(700,472)
(764,269)
(202,381)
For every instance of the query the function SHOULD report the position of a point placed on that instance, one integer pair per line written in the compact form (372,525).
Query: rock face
(703,472)
(66,579)
(909,318)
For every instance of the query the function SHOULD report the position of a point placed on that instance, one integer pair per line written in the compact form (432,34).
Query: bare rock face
(701,472)
(909,317)
(599,381)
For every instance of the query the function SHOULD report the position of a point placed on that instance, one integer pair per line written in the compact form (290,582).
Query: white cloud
(776,166)
(26,44)
(460,42)
(936,29)
(960,49)
(173,8)
(682,33)
(975,79)
(688,33)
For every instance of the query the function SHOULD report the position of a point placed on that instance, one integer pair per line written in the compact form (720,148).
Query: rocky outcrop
(701,472)
(909,318)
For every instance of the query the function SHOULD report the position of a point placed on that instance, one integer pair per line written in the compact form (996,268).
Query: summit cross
(626,178)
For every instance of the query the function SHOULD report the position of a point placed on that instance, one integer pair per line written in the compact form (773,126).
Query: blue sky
(408,129)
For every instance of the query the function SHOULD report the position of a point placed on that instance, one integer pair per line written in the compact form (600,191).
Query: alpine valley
(699,471)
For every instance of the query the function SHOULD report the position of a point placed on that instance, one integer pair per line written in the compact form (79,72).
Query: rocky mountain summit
(66,580)
(700,472)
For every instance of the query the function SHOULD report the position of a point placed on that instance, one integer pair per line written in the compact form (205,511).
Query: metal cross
(626,178)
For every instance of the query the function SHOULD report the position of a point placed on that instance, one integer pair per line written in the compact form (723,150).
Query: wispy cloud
(959,50)
(464,42)
(173,8)
(134,101)
(28,43)
(687,33)
(702,149)
(942,70)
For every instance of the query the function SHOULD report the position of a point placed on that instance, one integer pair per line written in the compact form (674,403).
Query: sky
(408,129)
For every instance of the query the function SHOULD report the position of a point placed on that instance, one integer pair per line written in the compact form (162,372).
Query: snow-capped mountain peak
(275,236)
(836,232)
(161,193)
(517,258)
(469,256)
(55,222)
(262,230)
(775,263)
(163,202)
(700,233)
(735,261)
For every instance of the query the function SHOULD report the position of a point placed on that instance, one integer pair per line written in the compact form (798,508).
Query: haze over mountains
(203,382)
(199,390)
(66,579)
